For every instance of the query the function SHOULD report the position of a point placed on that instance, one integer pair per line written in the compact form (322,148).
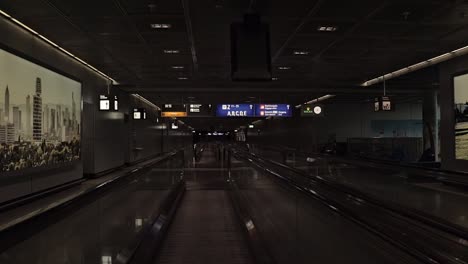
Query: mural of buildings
(39,116)
(50,122)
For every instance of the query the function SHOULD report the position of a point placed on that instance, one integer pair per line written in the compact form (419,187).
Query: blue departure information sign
(281,110)
(235,110)
(254,110)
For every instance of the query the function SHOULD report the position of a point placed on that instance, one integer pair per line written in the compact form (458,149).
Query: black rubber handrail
(438,174)
(17,202)
(431,220)
(426,255)
(256,243)
(146,246)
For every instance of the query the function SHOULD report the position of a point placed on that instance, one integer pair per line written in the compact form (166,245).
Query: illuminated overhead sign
(235,110)
(383,103)
(139,114)
(173,114)
(311,110)
(174,110)
(105,103)
(282,110)
(254,110)
(199,110)
(116,103)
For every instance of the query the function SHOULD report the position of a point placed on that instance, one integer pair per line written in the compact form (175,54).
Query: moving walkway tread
(204,230)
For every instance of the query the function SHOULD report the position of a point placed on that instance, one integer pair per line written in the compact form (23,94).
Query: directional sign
(199,110)
(311,110)
(104,103)
(282,110)
(173,110)
(235,110)
(139,113)
(383,103)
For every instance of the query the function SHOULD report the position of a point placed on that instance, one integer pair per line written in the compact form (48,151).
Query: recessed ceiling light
(326,28)
(160,26)
(176,67)
(300,52)
(284,68)
(152,6)
(170,51)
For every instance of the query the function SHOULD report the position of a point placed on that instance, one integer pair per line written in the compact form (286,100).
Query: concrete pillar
(431,112)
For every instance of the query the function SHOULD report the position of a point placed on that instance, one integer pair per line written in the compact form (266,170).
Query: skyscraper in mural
(7,105)
(74,123)
(17,118)
(37,112)
(28,116)
(45,120)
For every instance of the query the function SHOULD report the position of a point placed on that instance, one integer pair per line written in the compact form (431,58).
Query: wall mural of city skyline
(461,116)
(40,115)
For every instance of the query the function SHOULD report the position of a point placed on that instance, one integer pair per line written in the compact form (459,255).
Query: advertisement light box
(40,110)
(460,101)
(281,110)
(235,110)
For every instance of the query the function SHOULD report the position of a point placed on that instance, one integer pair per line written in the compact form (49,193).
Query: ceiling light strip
(53,44)
(146,101)
(257,121)
(424,64)
(316,100)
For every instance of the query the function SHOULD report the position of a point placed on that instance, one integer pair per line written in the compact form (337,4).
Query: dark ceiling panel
(347,9)
(23,9)
(86,8)
(372,38)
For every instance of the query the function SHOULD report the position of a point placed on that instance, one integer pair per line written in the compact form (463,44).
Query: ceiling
(372,37)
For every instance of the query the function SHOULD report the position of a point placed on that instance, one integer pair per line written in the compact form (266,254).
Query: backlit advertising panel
(460,86)
(40,115)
